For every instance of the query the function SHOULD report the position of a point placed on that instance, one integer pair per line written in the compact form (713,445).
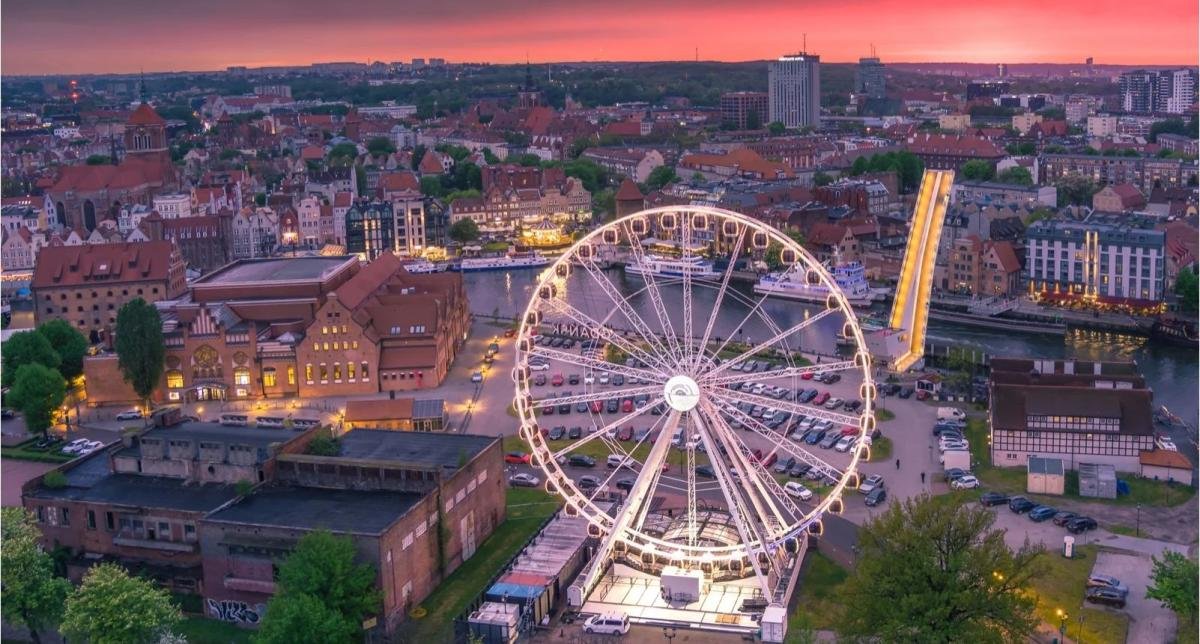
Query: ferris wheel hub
(681,393)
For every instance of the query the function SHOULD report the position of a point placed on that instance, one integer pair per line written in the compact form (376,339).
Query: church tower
(529,95)
(145,133)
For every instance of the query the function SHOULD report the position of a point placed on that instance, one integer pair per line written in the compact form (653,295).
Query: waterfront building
(1078,411)
(1109,261)
(514,195)
(370,228)
(794,90)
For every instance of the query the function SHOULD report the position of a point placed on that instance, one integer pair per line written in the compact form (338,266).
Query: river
(1170,371)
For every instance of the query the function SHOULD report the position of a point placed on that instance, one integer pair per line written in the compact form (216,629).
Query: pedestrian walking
(922,478)
(897,463)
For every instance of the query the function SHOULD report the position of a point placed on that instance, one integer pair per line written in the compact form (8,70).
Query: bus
(269,421)
(234,419)
(305,423)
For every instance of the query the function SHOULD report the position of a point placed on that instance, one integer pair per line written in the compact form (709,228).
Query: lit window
(174,379)
(344,327)
(324,372)
(354,344)
(350,370)
(326,344)
(337,371)
(174,395)
(268,377)
(308,372)
(292,374)
(324,330)
(241,376)
(366,372)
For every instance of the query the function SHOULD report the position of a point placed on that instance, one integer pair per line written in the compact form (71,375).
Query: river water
(1170,371)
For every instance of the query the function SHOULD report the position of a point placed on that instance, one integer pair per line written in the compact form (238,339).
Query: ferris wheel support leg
(634,502)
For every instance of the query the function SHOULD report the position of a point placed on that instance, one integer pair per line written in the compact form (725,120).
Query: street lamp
(1062,624)
(1138,529)
(669,633)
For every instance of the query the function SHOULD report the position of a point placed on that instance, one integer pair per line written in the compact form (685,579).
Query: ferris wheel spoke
(605,333)
(739,454)
(763,478)
(618,447)
(714,314)
(690,472)
(653,292)
(788,446)
(686,350)
(781,335)
(594,396)
(596,365)
(786,406)
(602,432)
(639,325)
(786,372)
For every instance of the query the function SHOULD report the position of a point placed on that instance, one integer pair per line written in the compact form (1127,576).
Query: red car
(548,408)
(508,333)
(821,398)
(625,433)
(596,406)
(516,458)
(771,458)
(807,375)
(557,380)
(627,405)
(756,456)
(849,431)
(922,395)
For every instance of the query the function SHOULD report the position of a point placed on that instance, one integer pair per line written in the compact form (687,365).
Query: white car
(539,366)
(798,491)
(90,447)
(1166,443)
(75,446)
(952,444)
(604,378)
(833,403)
(845,443)
(589,379)
(612,624)
(523,480)
(967,482)
(477,376)
(132,414)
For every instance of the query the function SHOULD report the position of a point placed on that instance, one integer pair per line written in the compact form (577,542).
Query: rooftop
(143,491)
(291,269)
(429,449)
(346,511)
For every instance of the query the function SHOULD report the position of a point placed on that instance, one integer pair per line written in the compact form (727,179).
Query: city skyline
(39,39)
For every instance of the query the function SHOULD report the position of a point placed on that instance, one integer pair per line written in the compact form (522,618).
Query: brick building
(744,110)
(950,152)
(87,285)
(1147,173)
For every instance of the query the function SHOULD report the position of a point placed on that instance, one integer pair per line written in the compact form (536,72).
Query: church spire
(142,86)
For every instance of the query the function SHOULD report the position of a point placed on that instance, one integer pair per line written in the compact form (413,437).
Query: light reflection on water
(1170,371)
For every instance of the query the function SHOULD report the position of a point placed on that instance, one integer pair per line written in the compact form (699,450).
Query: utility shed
(1045,476)
(1098,480)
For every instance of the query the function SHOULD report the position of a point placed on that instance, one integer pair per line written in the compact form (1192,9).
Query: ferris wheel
(691,392)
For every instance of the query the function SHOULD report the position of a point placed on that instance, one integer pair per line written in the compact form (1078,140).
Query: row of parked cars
(1074,523)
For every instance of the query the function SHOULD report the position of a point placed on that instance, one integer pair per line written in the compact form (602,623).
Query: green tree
(772,256)
(380,145)
(26,347)
(821,179)
(1023,148)
(776,128)
(1174,584)
(946,573)
(321,587)
(432,186)
(1016,175)
(69,343)
(467,176)
(527,160)
(977,170)
(1075,189)
(38,391)
(464,230)
(140,348)
(31,595)
(1187,287)
(342,154)
(604,203)
(228,154)
(753,120)
(661,176)
(99,159)
(860,166)
(418,153)
(260,199)
(490,156)
(1172,126)
(111,607)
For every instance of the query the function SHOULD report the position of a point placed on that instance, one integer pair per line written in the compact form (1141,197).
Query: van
(796,490)
(677,437)
(612,624)
(951,413)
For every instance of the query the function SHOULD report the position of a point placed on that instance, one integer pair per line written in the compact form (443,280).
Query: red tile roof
(1164,458)
(145,115)
(1007,256)
(945,144)
(396,181)
(629,191)
(59,266)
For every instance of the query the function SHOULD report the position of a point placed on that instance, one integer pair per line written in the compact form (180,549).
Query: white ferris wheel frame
(580,503)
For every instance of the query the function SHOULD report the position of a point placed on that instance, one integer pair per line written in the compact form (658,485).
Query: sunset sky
(77,36)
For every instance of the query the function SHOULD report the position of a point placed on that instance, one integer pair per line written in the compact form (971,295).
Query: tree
(604,203)
(1023,148)
(343,154)
(113,607)
(1075,189)
(464,230)
(380,145)
(26,347)
(31,596)
(1015,175)
(527,160)
(946,573)
(68,343)
(753,120)
(1171,126)
(1174,584)
(99,159)
(140,348)
(661,176)
(1187,287)
(772,256)
(490,156)
(821,179)
(977,170)
(320,587)
(776,128)
(418,153)
(431,186)
(38,391)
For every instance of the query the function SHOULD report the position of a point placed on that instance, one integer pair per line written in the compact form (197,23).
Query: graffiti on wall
(228,610)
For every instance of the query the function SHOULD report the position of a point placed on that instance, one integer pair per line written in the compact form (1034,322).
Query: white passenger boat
(796,284)
(659,266)
(503,262)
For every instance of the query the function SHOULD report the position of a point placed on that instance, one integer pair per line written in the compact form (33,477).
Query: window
(291,373)
(174,379)
(241,376)
(344,327)
(66,517)
(324,372)
(109,524)
(41,514)
(350,370)
(337,371)
(354,344)
(325,345)
(308,372)
(91,520)
(366,372)
(324,330)
(269,377)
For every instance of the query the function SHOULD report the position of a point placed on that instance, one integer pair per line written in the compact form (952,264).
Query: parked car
(1081,524)
(523,480)
(581,460)
(853,405)
(1106,597)
(75,446)
(1020,504)
(588,482)
(626,405)
(564,407)
(581,407)
(573,379)
(625,484)
(797,491)
(993,498)
(814,436)
(589,379)
(559,432)
(1097,580)
(604,378)
(612,624)
(1041,513)
(875,497)
(870,484)
(617,460)
(798,470)
(538,365)
(135,414)
(783,466)
(612,405)
(821,398)
(557,380)
(575,432)
(967,482)
(1062,518)
(625,433)
(845,443)
(596,406)
(618,380)
(954,473)
(90,447)
(905,392)
(540,380)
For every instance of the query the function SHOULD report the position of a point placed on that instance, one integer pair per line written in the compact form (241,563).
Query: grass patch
(881,449)
(1061,586)
(814,605)
(26,451)
(527,509)
(883,414)
(495,247)
(1117,528)
(198,630)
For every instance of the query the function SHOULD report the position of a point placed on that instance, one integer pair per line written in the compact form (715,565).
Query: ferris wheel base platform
(640,596)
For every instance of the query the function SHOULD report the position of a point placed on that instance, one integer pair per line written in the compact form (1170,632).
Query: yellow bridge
(910,309)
